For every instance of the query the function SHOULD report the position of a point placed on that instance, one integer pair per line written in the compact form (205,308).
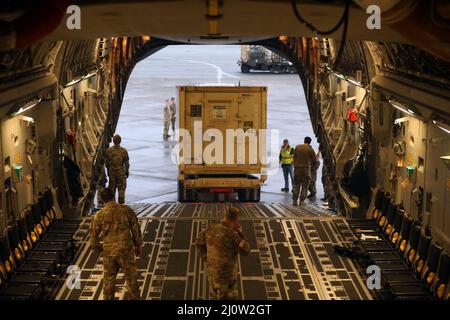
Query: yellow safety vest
(286,156)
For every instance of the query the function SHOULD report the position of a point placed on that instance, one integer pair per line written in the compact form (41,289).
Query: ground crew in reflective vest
(117,226)
(220,244)
(118,166)
(304,157)
(286,160)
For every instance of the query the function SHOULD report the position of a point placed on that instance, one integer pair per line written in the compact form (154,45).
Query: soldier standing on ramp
(118,166)
(117,225)
(221,243)
(304,157)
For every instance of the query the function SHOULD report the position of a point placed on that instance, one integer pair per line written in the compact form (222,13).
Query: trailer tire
(189,197)
(249,195)
(256,195)
(242,195)
(245,68)
(180,191)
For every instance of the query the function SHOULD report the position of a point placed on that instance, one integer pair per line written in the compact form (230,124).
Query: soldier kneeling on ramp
(220,243)
(118,227)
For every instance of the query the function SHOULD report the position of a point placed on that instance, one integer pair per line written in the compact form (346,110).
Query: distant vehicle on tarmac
(261,59)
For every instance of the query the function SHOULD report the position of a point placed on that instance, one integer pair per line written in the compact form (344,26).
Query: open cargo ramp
(292,254)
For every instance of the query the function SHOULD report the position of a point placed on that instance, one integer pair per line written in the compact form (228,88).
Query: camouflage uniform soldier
(118,165)
(167,115)
(304,156)
(117,225)
(173,112)
(221,243)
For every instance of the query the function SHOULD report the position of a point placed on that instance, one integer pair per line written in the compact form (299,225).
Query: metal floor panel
(291,258)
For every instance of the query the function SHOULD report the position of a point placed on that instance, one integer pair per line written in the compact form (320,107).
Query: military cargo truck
(222,142)
(259,58)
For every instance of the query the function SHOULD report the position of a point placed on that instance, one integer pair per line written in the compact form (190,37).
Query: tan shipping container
(226,151)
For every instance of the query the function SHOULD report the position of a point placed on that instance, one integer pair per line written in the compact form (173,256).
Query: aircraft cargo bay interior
(225,150)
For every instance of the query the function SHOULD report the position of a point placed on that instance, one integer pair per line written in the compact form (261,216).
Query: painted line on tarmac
(220,72)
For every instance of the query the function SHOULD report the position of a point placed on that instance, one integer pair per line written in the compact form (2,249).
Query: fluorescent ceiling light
(27,106)
(78,79)
(341,76)
(442,126)
(356,83)
(446,160)
(27,119)
(400,120)
(93,73)
(401,107)
(73,82)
